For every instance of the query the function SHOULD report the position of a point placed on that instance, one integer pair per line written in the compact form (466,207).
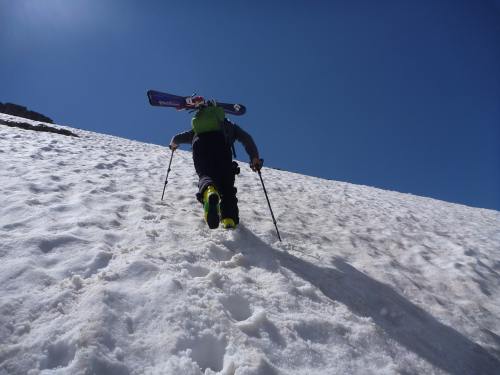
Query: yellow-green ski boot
(228,223)
(211,200)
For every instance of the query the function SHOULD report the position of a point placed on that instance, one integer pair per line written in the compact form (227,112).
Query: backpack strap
(225,129)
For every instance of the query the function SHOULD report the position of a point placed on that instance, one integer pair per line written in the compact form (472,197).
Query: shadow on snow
(400,319)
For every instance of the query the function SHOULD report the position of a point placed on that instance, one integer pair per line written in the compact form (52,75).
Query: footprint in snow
(253,322)
(218,253)
(147,207)
(194,270)
(100,261)
(237,307)
(58,355)
(152,234)
(103,166)
(206,350)
(318,331)
(111,187)
(13,226)
(35,189)
(47,245)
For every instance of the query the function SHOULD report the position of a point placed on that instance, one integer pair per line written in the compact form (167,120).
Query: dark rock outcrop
(38,128)
(21,111)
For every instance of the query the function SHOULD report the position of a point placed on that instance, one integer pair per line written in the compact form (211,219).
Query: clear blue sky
(397,94)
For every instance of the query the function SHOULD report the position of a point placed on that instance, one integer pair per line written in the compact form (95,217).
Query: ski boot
(228,223)
(211,200)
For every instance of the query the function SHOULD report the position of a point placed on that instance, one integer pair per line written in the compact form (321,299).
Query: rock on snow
(99,276)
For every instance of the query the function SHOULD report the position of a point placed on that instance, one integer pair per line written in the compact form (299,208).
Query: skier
(212,137)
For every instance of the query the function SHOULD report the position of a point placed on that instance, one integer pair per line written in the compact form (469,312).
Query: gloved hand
(173,146)
(256,164)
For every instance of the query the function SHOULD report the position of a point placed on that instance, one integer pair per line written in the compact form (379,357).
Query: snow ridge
(99,276)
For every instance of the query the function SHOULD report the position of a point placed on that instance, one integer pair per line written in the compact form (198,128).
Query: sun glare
(72,14)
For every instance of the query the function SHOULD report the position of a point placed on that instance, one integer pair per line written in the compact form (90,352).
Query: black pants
(213,162)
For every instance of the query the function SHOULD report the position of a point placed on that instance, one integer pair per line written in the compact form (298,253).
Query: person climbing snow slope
(212,138)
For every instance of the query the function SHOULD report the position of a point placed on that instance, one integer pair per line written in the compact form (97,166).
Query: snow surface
(99,276)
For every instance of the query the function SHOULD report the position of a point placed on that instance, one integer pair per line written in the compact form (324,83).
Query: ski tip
(240,108)
(234,109)
(150,94)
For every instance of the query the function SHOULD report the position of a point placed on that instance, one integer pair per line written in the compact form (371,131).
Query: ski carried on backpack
(162,99)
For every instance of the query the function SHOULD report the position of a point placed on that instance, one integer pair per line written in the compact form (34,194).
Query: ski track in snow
(99,276)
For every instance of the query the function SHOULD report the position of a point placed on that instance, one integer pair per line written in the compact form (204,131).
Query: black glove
(256,164)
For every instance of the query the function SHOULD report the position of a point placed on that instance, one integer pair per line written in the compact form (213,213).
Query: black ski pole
(168,171)
(269,204)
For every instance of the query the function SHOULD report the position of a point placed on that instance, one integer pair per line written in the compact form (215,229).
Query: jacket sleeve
(186,137)
(246,139)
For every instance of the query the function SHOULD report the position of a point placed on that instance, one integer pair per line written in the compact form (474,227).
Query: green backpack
(208,119)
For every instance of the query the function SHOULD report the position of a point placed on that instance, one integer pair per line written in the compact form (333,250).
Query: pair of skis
(162,99)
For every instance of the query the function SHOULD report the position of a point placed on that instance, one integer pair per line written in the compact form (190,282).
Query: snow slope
(99,276)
